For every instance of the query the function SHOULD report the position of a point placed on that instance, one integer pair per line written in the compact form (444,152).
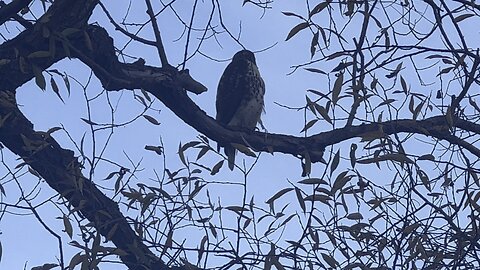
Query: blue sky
(271,174)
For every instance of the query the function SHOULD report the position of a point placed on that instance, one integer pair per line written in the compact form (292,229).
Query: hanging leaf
(335,162)
(353,158)
(39,79)
(336,88)
(404,84)
(313,44)
(55,88)
(298,192)
(68,226)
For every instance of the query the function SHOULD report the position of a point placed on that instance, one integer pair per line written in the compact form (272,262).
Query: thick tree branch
(163,84)
(15,16)
(8,11)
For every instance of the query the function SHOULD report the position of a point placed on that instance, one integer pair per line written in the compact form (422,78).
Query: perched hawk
(240,96)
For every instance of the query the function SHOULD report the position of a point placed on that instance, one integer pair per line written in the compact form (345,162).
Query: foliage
(388,155)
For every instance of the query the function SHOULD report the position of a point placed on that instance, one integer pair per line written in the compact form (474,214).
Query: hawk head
(244,55)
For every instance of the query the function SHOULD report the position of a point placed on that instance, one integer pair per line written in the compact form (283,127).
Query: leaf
(307,166)
(297,29)
(324,113)
(245,150)
(355,216)
(404,84)
(112,231)
(309,125)
(444,71)
(77,259)
(46,266)
(387,101)
(462,17)
(110,175)
(68,31)
(311,105)
(330,260)
(181,155)
(319,7)
(291,14)
(340,181)
(336,88)
(474,105)
(425,180)
(335,162)
(67,83)
(55,88)
(216,168)
(34,172)
(212,229)
(313,44)
(201,250)
(353,158)
(39,54)
(313,181)
(278,195)
(298,192)
(68,226)
(156,149)
(318,198)
(203,151)
(395,72)
(39,79)
(195,191)
(88,121)
(341,66)
(88,41)
(169,241)
(151,119)
(315,70)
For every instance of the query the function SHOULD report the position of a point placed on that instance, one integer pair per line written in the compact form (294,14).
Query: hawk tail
(230,152)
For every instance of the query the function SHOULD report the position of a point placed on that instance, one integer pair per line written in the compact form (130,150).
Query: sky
(263,33)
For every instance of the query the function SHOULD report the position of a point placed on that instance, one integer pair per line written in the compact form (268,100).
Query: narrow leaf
(297,29)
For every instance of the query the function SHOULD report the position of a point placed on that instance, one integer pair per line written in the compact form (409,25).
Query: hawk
(240,97)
